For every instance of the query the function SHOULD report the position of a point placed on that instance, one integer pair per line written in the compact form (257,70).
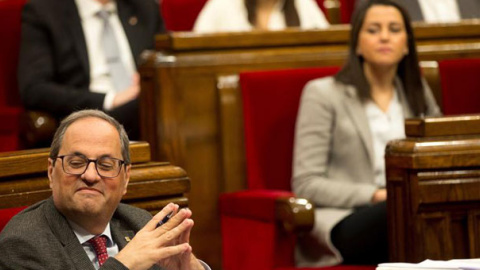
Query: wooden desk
(180,109)
(433,185)
(23,179)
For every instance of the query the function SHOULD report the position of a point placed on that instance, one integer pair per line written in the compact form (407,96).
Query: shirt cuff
(108,101)
(204,265)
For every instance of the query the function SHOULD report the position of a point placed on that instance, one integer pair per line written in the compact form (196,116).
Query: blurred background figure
(245,15)
(343,126)
(435,11)
(79,54)
(440,11)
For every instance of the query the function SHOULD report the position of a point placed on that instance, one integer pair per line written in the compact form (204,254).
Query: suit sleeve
(42,84)
(312,177)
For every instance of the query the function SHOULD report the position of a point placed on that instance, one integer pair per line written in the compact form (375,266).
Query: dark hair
(289,11)
(408,69)
(60,133)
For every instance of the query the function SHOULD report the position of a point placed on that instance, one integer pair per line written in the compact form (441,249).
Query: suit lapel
(66,236)
(469,9)
(130,23)
(414,9)
(356,111)
(122,236)
(74,25)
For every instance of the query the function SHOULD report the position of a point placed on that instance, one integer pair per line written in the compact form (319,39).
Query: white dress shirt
(384,126)
(92,25)
(232,16)
(438,11)
(83,236)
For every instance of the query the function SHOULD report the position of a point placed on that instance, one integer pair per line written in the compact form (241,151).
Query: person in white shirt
(247,15)
(71,58)
(344,123)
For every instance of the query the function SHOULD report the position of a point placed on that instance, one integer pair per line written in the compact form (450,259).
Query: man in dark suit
(62,68)
(84,225)
(459,9)
(467,9)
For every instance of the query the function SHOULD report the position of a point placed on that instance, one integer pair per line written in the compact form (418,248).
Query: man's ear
(50,171)
(127,177)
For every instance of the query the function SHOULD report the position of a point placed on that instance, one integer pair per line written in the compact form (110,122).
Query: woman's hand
(379,196)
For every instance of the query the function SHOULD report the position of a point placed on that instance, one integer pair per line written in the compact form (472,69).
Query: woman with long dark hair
(246,15)
(343,125)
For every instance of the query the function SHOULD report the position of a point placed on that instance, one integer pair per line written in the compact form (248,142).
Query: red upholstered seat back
(180,15)
(460,80)
(322,7)
(7,213)
(270,105)
(346,9)
(10,24)
(10,103)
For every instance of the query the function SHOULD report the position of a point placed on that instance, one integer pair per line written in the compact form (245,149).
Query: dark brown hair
(408,69)
(289,11)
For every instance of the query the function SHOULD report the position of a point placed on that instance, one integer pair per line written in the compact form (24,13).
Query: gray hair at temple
(60,133)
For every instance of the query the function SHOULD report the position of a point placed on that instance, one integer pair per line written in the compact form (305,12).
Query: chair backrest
(270,105)
(460,81)
(7,213)
(346,10)
(10,24)
(180,15)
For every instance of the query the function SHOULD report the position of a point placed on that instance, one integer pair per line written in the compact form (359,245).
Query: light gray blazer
(333,159)
(41,238)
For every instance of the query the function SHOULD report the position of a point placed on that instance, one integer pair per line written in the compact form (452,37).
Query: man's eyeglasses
(107,167)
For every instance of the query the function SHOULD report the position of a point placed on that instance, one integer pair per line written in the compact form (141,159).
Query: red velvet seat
(180,15)
(346,10)
(10,104)
(251,238)
(460,81)
(7,213)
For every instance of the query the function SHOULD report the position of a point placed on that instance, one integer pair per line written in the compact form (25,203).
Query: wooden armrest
(295,214)
(37,129)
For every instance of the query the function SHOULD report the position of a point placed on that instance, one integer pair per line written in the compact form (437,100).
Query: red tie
(99,244)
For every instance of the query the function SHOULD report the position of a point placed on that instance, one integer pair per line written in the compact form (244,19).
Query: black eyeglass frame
(122,162)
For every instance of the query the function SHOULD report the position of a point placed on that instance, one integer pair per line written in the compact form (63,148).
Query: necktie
(99,244)
(118,72)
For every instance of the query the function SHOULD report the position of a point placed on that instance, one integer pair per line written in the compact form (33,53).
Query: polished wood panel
(24,181)
(433,185)
(184,118)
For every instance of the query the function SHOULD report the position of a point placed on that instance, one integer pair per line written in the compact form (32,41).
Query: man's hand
(167,245)
(128,94)
(185,260)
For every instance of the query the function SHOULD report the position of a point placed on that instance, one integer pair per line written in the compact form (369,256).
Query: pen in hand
(165,219)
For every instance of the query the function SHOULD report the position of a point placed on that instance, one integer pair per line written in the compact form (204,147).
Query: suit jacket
(334,159)
(54,72)
(41,238)
(469,9)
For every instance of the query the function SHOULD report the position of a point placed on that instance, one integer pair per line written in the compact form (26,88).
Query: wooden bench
(433,185)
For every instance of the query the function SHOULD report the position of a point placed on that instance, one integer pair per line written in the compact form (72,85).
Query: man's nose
(91,173)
